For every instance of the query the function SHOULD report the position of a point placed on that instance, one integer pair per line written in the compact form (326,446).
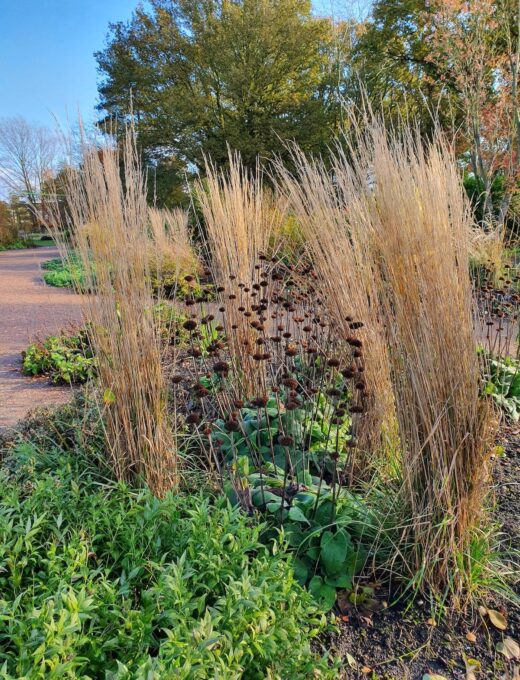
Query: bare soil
(29,309)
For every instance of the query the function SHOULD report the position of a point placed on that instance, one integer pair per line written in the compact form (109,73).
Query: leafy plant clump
(502,383)
(280,426)
(63,274)
(99,580)
(63,358)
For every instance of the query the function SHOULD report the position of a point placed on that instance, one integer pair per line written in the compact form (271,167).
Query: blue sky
(47,67)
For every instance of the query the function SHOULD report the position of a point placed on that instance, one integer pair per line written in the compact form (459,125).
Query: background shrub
(64,358)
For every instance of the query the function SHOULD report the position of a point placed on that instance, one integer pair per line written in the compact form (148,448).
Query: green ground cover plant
(101,580)
(502,382)
(63,273)
(65,358)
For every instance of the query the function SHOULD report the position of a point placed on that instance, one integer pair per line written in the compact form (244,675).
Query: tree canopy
(199,75)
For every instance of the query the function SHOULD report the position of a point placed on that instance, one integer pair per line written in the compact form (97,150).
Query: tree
(391,61)
(476,44)
(199,75)
(28,156)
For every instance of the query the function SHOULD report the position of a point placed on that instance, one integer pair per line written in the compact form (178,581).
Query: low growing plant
(64,273)
(64,358)
(99,580)
(502,383)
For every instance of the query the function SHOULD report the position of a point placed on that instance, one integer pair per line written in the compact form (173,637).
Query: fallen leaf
(509,648)
(366,670)
(472,665)
(497,619)
(351,661)
(482,611)
(345,618)
(432,676)
(431,622)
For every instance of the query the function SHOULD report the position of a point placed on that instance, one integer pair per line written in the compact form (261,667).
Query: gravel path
(28,309)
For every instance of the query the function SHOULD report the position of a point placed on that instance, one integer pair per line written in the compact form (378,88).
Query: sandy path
(28,309)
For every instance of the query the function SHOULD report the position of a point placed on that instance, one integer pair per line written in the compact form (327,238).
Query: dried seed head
(190,324)
(221,367)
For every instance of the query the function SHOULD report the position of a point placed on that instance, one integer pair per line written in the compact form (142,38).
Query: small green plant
(62,274)
(502,376)
(64,358)
(99,580)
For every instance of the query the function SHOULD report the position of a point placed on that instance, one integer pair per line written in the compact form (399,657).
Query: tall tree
(198,75)
(476,44)
(391,61)
(28,155)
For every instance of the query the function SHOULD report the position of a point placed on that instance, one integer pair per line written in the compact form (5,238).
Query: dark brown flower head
(221,367)
(195,352)
(260,401)
(356,408)
(334,392)
(193,418)
(333,362)
(190,324)
(291,351)
(238,403)
(189,278)
(290,382)
(286,440)
(232,425)
(220,289)
(355,325)
(176,379)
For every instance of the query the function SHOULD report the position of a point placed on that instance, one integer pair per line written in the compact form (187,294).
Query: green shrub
(62,274)
(64,358)
(100,581)
(19,245)
(503,384)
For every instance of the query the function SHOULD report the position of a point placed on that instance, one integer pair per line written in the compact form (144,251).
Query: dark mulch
(402,643)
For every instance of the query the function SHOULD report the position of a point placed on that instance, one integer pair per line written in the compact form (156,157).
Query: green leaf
(296,514)
(334,549)
(108,396)
(301,571)
(323,593)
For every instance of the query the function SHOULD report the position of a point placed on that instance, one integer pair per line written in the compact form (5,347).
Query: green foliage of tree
(390,58)
(199,75)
